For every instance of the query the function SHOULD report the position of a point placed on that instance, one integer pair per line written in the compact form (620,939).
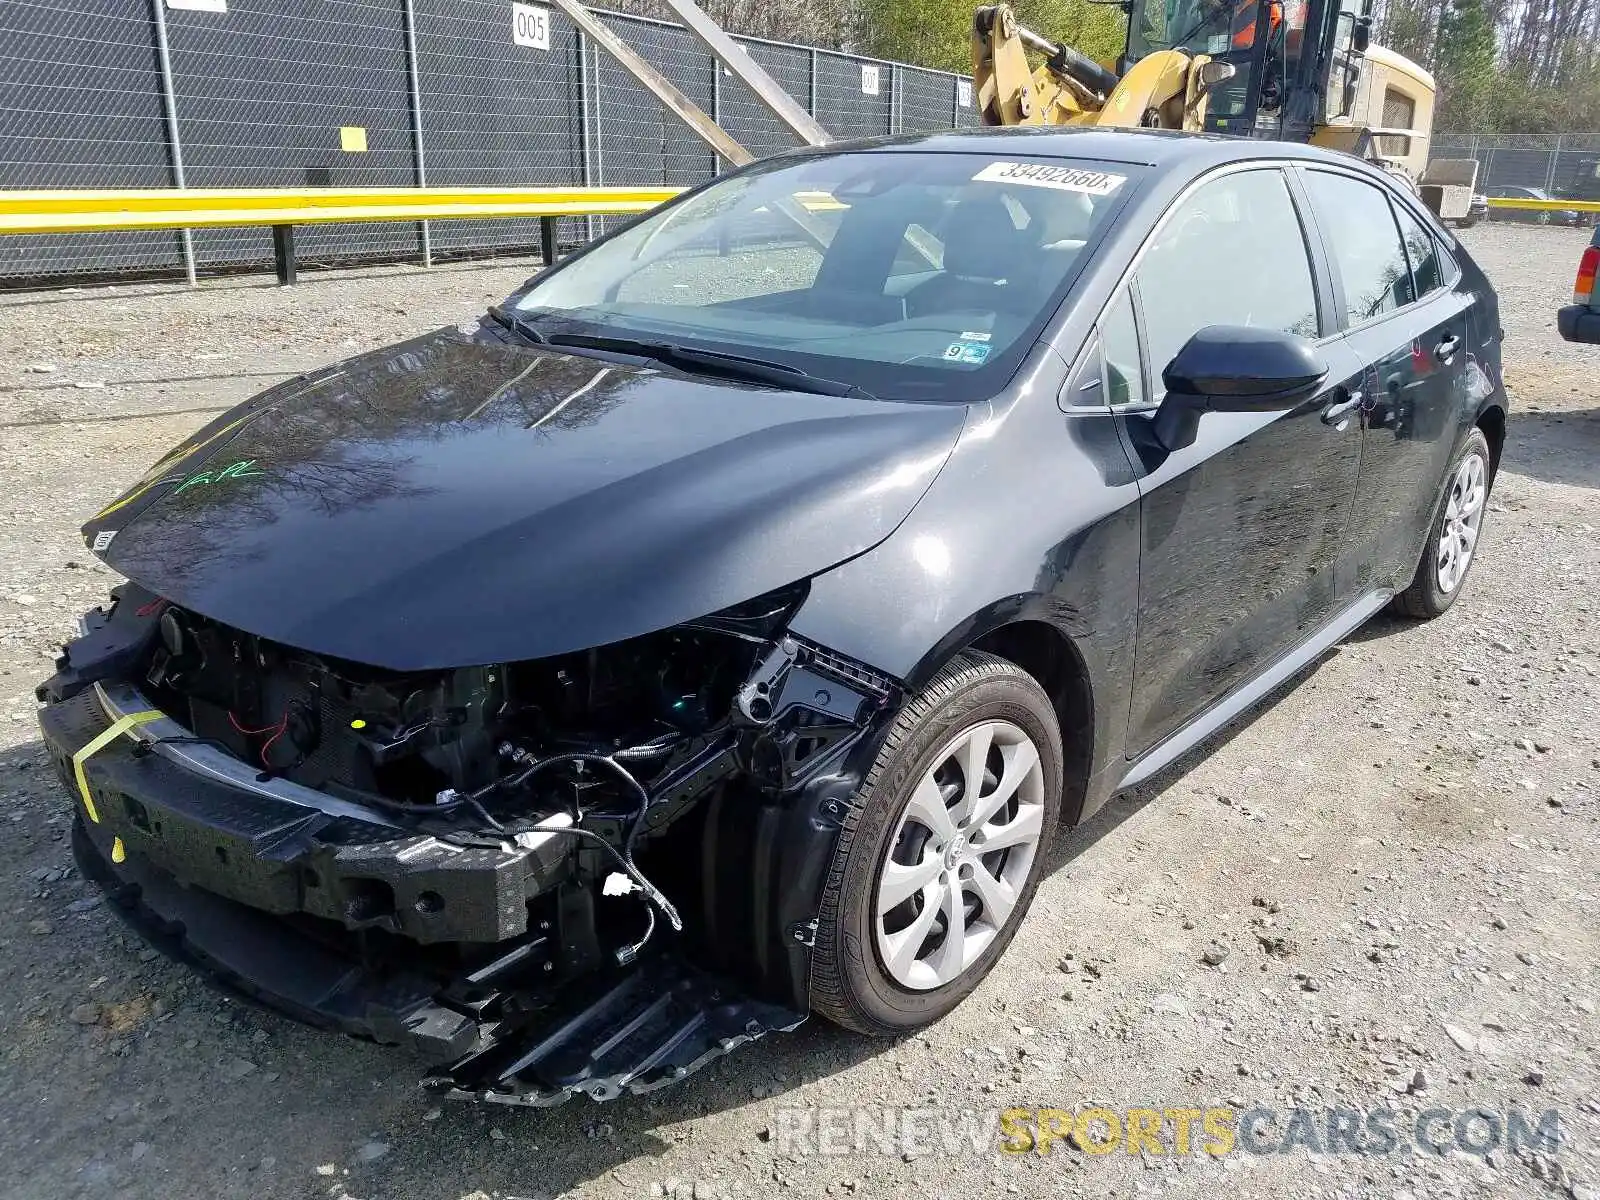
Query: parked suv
(1580,320)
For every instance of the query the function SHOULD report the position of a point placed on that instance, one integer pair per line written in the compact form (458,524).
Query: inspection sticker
(967,352)
(1063,179)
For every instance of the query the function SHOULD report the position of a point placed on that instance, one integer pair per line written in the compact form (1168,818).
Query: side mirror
(1235,368)
(1361,35)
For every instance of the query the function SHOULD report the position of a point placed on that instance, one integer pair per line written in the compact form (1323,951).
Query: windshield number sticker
(530,26)
(975,353)
(1063,179)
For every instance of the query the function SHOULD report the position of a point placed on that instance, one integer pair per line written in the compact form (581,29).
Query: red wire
(150,610)
(238,728)
(267,745)
(277,732)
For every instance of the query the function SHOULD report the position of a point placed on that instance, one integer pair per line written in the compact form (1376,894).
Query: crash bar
(283,208)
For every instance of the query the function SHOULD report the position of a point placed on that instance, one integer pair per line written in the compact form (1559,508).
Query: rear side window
(1365,242)
(1427,272)
(1231,253)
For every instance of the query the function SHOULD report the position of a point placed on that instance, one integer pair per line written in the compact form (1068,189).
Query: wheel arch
(1492,420)
(1021,631)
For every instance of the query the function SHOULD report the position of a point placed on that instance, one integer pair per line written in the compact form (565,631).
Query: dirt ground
(1398,854)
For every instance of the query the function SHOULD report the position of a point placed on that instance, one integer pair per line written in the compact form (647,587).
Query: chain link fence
(1565,165)
(295,93)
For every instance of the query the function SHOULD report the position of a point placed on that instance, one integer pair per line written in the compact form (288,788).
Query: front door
(1241,530)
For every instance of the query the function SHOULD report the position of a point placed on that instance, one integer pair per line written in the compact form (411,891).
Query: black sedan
(719,630)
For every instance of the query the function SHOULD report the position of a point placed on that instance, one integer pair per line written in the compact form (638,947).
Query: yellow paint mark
(100,742)
(353,138)
(119,852)
(358,723)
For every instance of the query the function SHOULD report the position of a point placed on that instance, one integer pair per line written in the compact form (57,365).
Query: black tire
(1425,598)
(849,984)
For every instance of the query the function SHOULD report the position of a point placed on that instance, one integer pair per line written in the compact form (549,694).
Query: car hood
(452,501)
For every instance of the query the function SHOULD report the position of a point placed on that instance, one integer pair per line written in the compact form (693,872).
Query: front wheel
(1453,538)
(942,851)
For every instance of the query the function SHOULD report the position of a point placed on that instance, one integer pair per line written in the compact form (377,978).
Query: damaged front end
(584,873)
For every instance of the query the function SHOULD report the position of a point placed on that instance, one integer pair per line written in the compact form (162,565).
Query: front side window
(1232,253)
(1364,241)
(909,275)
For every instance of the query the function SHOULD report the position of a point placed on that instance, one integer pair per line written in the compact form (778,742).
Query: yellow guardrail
(1588,206)
(198,208)
(101,211)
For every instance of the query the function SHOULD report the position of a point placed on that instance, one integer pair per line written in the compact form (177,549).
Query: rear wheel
(940,857)
(1453,539)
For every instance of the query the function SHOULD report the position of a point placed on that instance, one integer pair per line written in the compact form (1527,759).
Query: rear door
(1240,531)
(1406,321)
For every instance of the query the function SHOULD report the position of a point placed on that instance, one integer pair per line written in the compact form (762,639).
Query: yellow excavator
(1295,70)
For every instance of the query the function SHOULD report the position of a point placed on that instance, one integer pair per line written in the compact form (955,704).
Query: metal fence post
(598,127)
(716,106)
(811,91)
(1550,175)
(585,132)
(169,102)
(420,159)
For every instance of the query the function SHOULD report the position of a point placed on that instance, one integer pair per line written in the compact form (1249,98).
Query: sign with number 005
(530,26)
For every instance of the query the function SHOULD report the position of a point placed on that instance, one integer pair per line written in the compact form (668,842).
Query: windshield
(1212,27)
(906,275)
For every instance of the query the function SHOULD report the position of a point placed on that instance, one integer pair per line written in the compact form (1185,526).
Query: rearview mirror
(1361,35)
(1235,368)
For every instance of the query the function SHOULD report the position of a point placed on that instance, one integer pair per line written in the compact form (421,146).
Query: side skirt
(1325,638)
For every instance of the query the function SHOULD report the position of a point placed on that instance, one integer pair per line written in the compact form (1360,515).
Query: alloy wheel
(960,855)
(1463,515)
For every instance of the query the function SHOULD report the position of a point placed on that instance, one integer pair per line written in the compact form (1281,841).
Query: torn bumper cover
(482,957)
(161,828)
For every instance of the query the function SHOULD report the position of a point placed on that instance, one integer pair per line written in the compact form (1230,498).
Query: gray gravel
(1381,890)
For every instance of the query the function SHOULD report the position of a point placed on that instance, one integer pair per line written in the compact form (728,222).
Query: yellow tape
(117,729)
(119,852)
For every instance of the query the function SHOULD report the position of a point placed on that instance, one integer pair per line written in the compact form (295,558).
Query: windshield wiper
(694,359)
(518,324)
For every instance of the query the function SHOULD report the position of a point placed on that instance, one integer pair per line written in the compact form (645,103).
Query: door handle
(1334,414)
(1447,347)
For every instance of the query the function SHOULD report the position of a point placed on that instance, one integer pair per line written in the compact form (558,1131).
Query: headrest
(986,243)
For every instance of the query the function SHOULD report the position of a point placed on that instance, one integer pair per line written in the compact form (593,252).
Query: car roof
(1157,148)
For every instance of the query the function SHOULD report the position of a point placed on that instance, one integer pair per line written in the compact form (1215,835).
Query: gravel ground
(1398,856)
